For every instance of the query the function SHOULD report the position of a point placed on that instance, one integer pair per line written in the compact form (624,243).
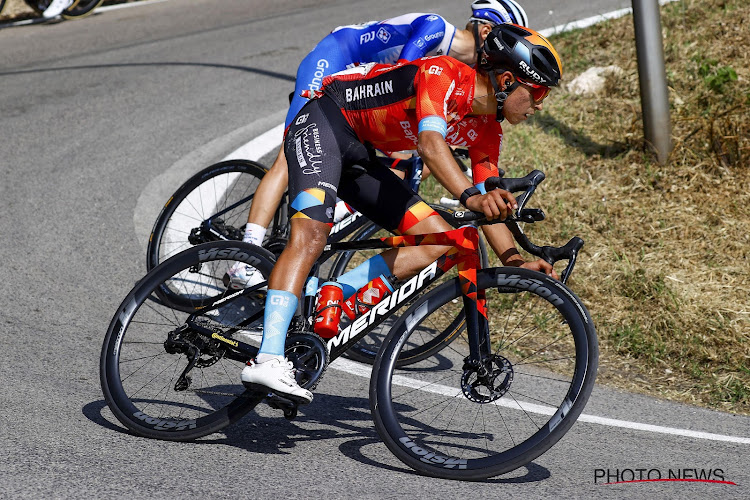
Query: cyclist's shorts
(326,159)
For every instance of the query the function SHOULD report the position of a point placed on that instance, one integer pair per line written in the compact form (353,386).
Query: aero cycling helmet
(523,52)
(498,12)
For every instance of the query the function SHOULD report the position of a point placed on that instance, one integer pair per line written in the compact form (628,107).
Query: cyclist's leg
(404,213)
(267,198)
(315,135)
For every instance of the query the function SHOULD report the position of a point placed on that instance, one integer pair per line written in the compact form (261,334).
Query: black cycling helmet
(523,52)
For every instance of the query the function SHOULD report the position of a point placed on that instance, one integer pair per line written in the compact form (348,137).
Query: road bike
(510,384)
(213,205)
(79,8)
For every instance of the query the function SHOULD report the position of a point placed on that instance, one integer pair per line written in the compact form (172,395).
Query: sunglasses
(538,92)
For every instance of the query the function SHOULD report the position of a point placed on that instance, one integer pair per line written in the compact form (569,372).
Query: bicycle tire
(144,350)
(544,386)
(210,190)
(366,349)
(40,6)
(81,8)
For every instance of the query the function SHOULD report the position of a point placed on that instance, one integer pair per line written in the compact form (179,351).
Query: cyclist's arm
(427,34)
(498,235)
(436,82)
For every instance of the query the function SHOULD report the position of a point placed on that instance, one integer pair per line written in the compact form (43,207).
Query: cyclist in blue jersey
(403,38)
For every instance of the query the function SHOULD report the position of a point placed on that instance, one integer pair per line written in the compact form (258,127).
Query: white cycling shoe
(56,8)
(275,375)
(242,275)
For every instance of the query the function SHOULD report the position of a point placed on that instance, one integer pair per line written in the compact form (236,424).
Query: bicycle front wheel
(174,374)
(439,418)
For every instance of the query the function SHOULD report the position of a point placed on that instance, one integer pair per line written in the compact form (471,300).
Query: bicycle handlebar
(527,184)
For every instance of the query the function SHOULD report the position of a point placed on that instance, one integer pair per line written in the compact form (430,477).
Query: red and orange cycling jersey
(385,104)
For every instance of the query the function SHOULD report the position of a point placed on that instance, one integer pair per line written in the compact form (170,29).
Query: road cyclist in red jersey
(402,38)
(429,104)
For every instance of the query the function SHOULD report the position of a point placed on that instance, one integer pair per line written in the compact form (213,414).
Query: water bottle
(328,309)
(368,296)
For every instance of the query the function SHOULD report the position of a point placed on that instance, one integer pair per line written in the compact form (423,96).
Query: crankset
(309,355)
(487,381)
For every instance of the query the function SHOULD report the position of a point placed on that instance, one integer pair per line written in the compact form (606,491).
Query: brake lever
(527,184)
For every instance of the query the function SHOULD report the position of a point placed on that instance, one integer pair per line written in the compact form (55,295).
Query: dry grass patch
(665,268)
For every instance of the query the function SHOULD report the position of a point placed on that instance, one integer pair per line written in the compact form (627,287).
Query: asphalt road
(100,119)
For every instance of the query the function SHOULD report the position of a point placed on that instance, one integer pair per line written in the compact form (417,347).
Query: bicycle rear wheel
(228,187)
(438,418)
(81,8)
(174,374)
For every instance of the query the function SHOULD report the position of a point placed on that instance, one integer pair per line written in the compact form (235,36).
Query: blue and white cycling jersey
(407,37)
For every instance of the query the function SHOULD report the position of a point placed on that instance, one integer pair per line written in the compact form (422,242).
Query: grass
(664,270)
(665,266)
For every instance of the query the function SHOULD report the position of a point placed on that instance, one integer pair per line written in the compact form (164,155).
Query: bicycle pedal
(288,406)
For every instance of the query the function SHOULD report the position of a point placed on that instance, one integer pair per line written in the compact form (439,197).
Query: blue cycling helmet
(498,12)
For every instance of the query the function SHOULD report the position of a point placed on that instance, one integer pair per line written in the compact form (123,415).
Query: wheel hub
(488,381)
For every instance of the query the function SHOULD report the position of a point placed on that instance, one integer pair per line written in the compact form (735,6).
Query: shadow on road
(329,417)
(248,69)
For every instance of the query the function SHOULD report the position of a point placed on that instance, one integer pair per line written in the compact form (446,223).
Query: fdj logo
(302,119)
(435,70)
(366,37)
(383,35)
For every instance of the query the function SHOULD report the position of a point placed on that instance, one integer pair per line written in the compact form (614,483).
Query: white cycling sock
(254,234)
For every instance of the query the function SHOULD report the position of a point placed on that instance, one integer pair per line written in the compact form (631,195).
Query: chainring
(309,355)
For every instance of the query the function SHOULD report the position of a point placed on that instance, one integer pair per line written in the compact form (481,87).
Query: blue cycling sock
(280,308)
(363,274)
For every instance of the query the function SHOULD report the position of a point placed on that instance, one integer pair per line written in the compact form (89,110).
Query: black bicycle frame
(464,255)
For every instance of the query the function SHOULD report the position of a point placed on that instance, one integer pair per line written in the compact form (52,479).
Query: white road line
(127,5)
(590,21)
(260,146)
(354,368)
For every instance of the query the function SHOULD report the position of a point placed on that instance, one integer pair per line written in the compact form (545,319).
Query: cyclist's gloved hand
(497,203)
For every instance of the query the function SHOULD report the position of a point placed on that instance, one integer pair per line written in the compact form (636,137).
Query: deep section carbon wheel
(448,417)
(174,373)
